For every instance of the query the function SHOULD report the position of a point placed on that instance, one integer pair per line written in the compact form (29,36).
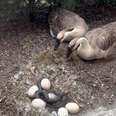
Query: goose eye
(70,29)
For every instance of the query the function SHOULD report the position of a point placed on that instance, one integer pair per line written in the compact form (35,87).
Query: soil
(26,54)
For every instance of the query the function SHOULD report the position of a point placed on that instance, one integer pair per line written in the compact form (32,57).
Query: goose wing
(106,40)
(60,19)
(101,38)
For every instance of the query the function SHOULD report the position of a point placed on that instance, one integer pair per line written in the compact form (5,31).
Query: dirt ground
(26,54)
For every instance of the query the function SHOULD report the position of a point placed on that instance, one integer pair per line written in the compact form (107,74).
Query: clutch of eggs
(45,84)
(62,112)
(32,90)
(72,107)
(38,103)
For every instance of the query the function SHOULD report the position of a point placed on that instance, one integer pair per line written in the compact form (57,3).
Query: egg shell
(38,103)
(72,107)
(45,84)
(62,111)
(32,90)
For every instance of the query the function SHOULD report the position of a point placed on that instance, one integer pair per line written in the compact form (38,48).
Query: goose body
(98,43)
(66,25)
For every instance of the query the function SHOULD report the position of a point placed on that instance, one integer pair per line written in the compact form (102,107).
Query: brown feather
(60,19)
(100,43)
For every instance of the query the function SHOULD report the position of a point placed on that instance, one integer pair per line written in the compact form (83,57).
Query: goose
(66,25)
(99,43)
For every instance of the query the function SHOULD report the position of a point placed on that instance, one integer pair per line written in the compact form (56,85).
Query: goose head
(81,43)
(68,35)
(75,44)
(78,43)
(83,48)
(64,35)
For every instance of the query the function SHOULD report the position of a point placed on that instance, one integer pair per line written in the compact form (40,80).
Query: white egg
(32,90)
(54,113)
(72,107)
(52,96)
(39,103)
(62,112)
(45,84)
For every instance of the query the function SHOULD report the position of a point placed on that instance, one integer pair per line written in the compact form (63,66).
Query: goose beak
(57,44)
(69,52)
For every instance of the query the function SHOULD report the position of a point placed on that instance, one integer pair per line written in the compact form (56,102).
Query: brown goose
(98,43)
(66,25)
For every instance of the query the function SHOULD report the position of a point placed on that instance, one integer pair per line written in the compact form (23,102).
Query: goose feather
(64,20)
(98,43)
